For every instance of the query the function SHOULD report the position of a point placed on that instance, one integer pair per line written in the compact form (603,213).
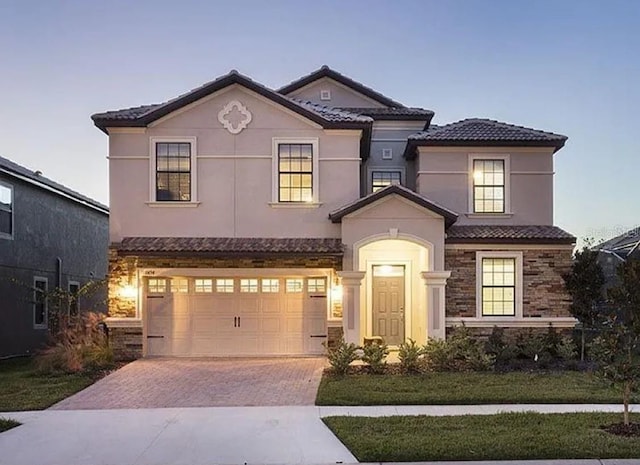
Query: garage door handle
(238,322)
(155,297)
(318,335)
(155,337)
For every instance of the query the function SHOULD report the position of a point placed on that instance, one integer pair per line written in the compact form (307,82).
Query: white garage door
(225,316)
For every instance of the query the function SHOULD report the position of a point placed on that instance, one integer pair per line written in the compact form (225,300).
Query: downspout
(59,273)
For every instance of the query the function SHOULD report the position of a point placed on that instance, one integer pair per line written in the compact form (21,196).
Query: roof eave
(412,144)
(545,241)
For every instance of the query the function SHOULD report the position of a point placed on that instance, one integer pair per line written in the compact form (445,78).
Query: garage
(227,315)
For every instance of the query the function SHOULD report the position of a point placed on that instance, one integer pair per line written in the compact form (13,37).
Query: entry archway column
(351,281)
(436,283)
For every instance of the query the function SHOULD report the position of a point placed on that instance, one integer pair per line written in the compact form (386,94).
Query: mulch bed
(632,430)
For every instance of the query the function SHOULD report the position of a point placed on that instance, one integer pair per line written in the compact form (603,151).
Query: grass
(6,424)
(507,436)
(22,387)
(466,388)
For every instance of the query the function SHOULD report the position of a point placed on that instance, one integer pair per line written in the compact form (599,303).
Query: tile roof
(141,116)
(493,234)
(449,216)
(231,245)
(34,177)
(394,113)
(479,131)
(325,71)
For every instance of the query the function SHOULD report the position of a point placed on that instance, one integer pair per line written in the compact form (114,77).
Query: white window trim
(45,324)
(152,172)
(13,223)
(69,284)
(507,185)
(275,183)
(518,287)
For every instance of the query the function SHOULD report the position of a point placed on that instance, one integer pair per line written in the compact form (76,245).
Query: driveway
(172,382)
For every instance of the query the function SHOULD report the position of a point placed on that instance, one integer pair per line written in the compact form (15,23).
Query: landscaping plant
(617,348)
(585,284)
(341,356)
(375,355)
(459,352)
(499,348)
(409,354)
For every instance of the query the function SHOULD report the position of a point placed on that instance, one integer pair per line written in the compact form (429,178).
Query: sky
(571,67)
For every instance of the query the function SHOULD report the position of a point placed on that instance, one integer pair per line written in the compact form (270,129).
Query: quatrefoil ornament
(235,117)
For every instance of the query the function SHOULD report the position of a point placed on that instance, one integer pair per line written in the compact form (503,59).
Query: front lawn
(6,424)
(466,388)
(507,436)
(22,387)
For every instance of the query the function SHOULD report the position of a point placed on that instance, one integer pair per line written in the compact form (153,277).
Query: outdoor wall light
(128,291)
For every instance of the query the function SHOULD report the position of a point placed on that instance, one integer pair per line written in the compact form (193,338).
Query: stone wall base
(126,343)
(335,335)
(511,333)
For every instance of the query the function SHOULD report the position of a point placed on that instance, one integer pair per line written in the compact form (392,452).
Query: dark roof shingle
(393,113)
(486,132)
(494,234)
(12,168)
(231,245)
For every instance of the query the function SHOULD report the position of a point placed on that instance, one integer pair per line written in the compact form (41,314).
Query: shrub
(551,342)
(341,356)
(375,355)
(499,348)
(567,349)
(529,345)
(460,352)
(76,345)
(437,355)
(409,354)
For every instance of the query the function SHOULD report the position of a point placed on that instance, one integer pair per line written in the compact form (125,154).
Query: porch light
(128,291)
(336,293)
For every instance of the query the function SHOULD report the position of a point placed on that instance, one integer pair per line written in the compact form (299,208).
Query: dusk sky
(571,67)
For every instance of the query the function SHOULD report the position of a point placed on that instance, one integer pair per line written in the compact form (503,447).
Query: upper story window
(489,188)
(295,172)
(173,171)
(382,179)
(6,211)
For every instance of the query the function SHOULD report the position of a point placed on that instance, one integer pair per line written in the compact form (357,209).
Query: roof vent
(325,94)
(38,173)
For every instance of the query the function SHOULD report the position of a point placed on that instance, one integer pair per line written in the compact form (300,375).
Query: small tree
(585,284)
(617,349)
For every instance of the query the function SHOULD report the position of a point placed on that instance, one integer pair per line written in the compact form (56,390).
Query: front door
(388,303)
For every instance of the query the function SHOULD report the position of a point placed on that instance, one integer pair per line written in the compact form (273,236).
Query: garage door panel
(237,323)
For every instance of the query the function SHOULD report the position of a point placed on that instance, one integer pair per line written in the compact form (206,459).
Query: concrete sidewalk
(219,435)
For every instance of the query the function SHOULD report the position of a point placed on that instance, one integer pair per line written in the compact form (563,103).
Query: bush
(375,355)
(460,352)
(530,345)
(496,345)
(567,349)
(76,345)
(341,356)
(409,354)
(551,342)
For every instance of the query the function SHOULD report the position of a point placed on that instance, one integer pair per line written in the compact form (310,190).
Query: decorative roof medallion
(234,117)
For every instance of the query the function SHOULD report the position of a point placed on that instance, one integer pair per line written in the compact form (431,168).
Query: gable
(341,95)
(393,207)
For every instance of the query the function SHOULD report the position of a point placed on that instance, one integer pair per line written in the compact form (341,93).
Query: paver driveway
(171,382)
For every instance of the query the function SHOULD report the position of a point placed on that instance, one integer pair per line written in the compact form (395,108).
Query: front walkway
(174,382)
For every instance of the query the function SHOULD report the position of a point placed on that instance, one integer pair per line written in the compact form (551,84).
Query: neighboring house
(616,251)
(50,237)
(248,221)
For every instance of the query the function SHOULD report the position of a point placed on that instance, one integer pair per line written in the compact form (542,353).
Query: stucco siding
(341,96)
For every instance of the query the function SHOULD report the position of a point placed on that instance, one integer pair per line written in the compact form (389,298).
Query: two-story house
(251,221)
(51,239)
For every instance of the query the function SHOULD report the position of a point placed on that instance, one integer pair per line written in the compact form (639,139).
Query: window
(271,285)
(179,285)
(387,154)
(157,286)
(173,171)
(6,211)
(382,179)
(488,186)
(295,172)
(224,286)
(248,285)
(498,286)
(40,310)
(294,285)
(317,285)
(74,296)
(203,285)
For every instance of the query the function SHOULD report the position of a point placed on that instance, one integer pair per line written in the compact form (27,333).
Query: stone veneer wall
(126,343)
(334,336)
(544,294)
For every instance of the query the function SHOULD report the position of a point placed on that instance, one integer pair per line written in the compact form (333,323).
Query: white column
(351,304)
(436,282)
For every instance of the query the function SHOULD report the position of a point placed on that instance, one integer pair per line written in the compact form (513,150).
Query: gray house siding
(47,227)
